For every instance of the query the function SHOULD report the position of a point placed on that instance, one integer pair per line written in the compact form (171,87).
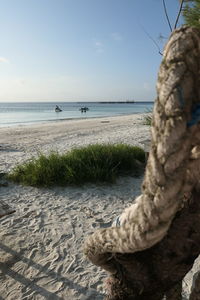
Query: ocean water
(24,113)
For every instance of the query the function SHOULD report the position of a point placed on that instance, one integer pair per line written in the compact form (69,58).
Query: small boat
(58,109)
(84,109)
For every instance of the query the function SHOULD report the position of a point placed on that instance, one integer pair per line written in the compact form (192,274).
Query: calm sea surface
(25,113)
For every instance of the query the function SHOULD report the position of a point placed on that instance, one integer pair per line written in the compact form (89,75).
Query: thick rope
(195,294)
(173,166)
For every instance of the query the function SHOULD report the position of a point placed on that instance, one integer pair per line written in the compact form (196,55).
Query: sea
(24,113)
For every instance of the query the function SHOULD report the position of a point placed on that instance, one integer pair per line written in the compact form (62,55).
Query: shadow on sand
(6,269)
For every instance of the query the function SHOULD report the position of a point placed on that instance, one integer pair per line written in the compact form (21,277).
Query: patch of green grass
(94,163)
(148,118)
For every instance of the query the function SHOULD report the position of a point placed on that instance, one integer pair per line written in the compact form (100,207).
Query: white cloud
(3,60)
(116,36)
(99,46)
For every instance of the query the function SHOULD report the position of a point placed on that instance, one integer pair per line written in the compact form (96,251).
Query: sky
(81,50)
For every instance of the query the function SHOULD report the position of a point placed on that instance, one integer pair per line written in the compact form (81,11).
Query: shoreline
(64,119)
(22,142)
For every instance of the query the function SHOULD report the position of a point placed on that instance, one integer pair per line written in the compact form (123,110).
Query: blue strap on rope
(195,111)
(195,116)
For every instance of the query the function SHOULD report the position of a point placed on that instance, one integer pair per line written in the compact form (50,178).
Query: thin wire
(166,14)
(180,10)
(156,44)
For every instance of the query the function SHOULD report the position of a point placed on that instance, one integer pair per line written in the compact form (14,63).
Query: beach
(41,254)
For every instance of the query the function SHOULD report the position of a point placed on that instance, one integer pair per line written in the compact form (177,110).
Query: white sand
(41,243)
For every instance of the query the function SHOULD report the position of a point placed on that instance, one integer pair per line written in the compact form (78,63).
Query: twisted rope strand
(173,166)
